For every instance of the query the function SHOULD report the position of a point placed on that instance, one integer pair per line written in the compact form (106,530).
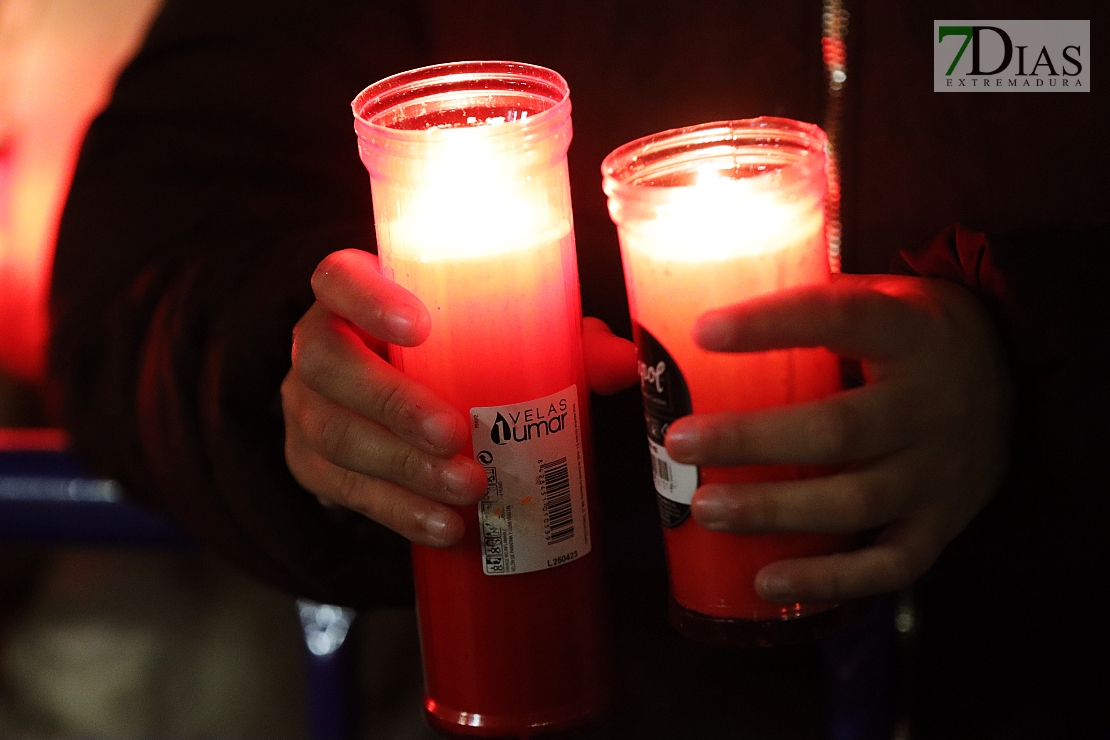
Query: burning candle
(709,216)
(472,211)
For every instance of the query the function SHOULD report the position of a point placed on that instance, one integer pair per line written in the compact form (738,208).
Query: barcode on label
(662,469)
(558,519)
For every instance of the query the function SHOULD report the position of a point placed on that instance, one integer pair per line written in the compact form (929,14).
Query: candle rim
(623,169)
(527,80)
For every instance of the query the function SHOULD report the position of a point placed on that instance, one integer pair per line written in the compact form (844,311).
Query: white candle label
(666,398)
(674,481)
(534,513)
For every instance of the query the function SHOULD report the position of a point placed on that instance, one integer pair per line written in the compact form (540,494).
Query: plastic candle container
(472,211)
(709,216)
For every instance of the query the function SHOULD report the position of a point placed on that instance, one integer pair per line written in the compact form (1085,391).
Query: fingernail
(401,321)
(709,333)
(681,442)
(775,588)
(456,479)
(710,512)
(439,429)
(435,524)
(319,275)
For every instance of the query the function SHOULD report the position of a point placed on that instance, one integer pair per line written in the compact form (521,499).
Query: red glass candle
(472,211)
(709,216)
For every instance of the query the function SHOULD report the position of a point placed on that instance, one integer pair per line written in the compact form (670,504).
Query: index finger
(333,361)
(350,283)
(857,316)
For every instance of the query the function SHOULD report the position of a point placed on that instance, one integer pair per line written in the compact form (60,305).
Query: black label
(666,398)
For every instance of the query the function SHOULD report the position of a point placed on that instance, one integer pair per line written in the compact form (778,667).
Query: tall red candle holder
(708,216)
(468,172)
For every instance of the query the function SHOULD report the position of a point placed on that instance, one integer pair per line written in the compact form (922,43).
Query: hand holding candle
(924,441)
(362,435)
(737,320)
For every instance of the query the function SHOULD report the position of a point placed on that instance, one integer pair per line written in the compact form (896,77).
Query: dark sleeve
(1045,288)
(1007,645)
(223,170)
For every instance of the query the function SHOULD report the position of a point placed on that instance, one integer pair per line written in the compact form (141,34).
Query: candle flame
(473,200)
(719,217)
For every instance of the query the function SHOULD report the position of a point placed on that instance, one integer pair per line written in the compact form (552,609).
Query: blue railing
(47,498)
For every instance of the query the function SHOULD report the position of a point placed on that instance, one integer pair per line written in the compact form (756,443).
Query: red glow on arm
(57,65)
(23,321)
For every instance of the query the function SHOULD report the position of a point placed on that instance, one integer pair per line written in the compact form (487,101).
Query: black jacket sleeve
(223,170)
(1046,291)
(1007,644)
